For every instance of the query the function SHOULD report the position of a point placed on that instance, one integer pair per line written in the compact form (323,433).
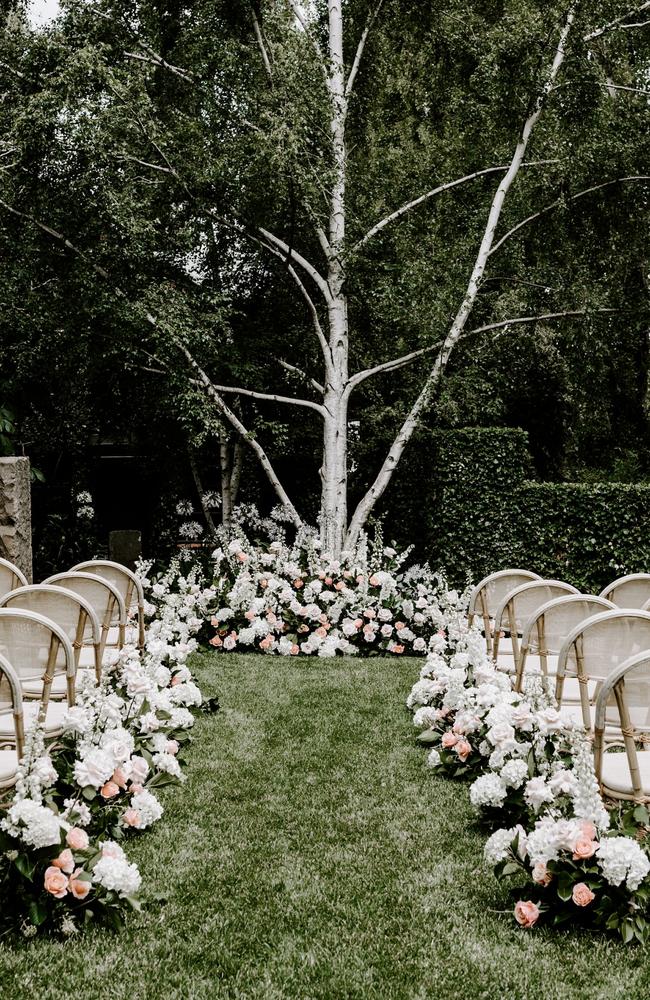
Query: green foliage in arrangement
(484,512)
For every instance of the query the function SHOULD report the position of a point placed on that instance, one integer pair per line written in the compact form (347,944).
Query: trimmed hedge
(480,512)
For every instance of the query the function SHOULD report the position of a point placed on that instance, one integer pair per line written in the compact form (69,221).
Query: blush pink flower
(119,778)
(242,557)
(340,586)
(131,817)
(397,648)
(588,829)
(214,641)
(295,649)
(214,622)
(360,578)
(582,894)
(526,913)
(77,839)
(321,631)
(584,848)
(249,615)
(328,581)
(463,748)
(79,887)
(358,622)
(110,790)
(65,861)
(55,882)
(373,581)
(399,626)
(135,788)
(370,613)
(172,747)
(449,740)
(541,875)
(266,642)
(176,679)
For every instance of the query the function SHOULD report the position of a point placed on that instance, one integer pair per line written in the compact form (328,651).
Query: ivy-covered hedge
(481,511)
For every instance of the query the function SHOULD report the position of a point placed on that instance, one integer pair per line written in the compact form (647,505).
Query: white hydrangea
(148,806)
(116,874)
(34,824)
(514,773)
(433,758)
(95,768)
(497,846)
(487,790)
(622,859)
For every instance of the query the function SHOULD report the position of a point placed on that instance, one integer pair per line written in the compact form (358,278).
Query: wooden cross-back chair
(518,605)
(11,708)
(632,591)
(39,651)
(128,584)
(625,697)
(73,612)
(595,648)
(107,603)
(10,577)
(488,594)
(548,627)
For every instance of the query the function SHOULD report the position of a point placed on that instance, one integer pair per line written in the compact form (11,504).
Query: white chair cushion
(8,765)
(616,772)
(53,720)
(34,689)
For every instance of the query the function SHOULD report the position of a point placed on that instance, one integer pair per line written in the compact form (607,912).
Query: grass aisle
(311,855)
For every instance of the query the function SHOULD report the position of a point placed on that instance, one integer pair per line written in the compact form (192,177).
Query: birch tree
(314,59)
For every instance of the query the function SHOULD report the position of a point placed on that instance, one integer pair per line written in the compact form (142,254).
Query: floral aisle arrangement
(75,803)
(532,767)
(290,599)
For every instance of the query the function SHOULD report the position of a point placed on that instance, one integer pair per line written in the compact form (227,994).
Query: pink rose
(358,622)
(360,578)
(119,778)
(370,613)
(295,649)
(79,887)
(77,839)
(463,749)
(176,679)
(65,861)
(340,585)
(242,557)
(172,747)
(399,626)
(214,641)
(588,829)
(526,913)
(328,581)
(55,882)
(321,631)
(582,894)
(449,740)
(131,818)
(368,628)
(249,615)
(541,875)
(397,648)
(347,574)
(271,617)
(110,790)
(373,581)
(321,575)
(584,848)
(135,788)
(214,622)
(266,642)
(323,620)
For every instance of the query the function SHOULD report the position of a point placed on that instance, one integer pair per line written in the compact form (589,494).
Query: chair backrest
(597,646)
(73,612)
(549,625)
(516,608)
(103,596)
(624,699)
(37,649)
(10,577)
(488,594)
(11,702)
(631,591)
(126,581)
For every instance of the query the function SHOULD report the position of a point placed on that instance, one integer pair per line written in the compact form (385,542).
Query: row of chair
(49,632)
(595,651)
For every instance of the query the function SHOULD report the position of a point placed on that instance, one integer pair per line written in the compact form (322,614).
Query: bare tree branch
(145,163)
(259,35)
(203,378)
(287,253)
(434,191)
(361,46)
(387,366)
(298,371)
(303,20)
(616,23)
(160,62)
(396,450)
(618,86)
(560,201)
(518,320)
(271,397)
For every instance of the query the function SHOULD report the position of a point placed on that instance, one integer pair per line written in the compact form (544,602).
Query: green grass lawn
(311,855)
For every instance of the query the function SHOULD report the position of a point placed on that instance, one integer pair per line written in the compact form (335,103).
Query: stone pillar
(16,513)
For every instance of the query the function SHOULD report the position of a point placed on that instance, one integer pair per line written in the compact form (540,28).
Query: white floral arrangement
(60,859)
